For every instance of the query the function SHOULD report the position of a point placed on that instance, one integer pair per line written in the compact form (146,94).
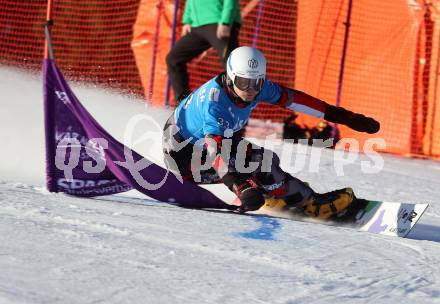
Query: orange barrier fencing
(380,62)
(391,62)
(431,126)
(151,43)
(91,39)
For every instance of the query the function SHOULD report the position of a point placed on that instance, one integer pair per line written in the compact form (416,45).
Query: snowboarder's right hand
(247,191)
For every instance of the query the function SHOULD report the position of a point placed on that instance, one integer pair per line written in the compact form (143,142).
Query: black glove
(251,198)
(358,122)
(247,191)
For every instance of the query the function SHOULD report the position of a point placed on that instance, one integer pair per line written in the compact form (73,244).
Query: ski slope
(130,249)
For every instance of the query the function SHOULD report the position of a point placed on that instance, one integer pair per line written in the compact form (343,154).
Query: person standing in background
(206,23)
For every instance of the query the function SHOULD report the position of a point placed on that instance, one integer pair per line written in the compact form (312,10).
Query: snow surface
(131,249)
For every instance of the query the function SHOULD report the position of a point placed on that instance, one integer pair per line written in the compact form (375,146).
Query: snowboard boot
(330,204)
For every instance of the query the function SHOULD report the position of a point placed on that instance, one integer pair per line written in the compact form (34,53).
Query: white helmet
(248,63)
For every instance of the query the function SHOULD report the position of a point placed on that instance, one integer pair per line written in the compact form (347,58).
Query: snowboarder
(207,125)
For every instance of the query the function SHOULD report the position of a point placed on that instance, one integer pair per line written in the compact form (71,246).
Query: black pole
(154,55)
(173,38)
(347,23)
(48,50)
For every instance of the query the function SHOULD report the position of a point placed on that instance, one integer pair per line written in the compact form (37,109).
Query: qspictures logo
(89,154)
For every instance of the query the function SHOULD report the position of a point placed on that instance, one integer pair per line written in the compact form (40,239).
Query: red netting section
(388,65)
(91,39)
(21,32)
(376,57)
(389,50)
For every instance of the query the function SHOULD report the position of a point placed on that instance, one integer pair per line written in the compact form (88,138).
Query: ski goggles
(247,84)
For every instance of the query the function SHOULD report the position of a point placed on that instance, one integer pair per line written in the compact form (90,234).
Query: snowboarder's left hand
(358,122)
(362,123)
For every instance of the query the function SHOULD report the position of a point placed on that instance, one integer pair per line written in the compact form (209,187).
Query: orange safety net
(392,63)
(91,39)
(151,43)
(387,76)
(431,82)
(389,72)
(379,69)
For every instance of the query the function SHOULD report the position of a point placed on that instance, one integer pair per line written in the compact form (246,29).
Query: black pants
(192,45)
(272,180)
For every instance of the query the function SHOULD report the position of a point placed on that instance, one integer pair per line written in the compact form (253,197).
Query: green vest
(202,12)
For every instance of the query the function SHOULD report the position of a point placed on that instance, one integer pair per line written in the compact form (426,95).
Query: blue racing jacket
(210,111)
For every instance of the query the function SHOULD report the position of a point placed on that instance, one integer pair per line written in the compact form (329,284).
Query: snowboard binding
(326,205)
(339,205)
